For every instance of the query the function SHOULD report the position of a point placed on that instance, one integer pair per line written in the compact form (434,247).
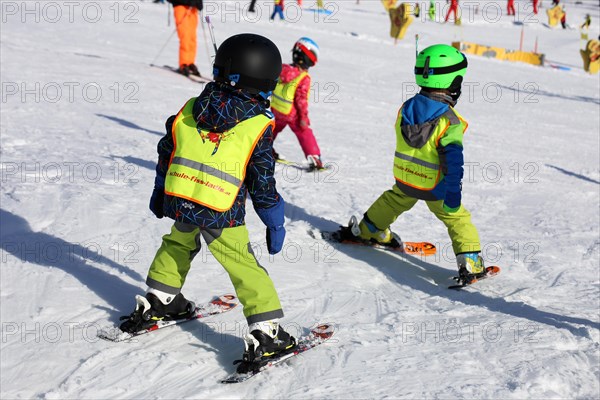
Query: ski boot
(194,70)
(265,341)
(470,268)
(315,163)
(189,69)
(157,306)
(367,233)
(184,70)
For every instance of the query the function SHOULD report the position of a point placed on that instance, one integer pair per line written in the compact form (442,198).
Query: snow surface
(82,112)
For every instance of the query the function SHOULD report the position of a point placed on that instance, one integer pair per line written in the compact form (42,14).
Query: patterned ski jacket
(218,109)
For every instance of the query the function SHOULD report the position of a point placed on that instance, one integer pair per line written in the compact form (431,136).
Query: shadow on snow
(129,124)
(417,274)
(78,260)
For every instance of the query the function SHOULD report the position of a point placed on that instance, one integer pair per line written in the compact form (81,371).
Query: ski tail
(317,336)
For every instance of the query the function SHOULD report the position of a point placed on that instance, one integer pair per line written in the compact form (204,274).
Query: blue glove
(273,218)
(157,199)
(452,202)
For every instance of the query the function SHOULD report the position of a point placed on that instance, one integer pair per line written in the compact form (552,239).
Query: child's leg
(277,11)
(463,233)
(306,138)
(280,124)
(254,287)
(388,207)
(173,259)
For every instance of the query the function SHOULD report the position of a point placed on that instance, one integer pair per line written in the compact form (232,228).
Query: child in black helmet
(218,149)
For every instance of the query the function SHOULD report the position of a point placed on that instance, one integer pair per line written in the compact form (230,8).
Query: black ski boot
(266,340)
(149,310)
(193,70)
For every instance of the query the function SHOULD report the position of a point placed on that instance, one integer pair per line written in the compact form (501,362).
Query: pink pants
(305,135)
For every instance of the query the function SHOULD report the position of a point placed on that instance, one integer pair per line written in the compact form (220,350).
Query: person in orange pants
(186,21)
(453,8)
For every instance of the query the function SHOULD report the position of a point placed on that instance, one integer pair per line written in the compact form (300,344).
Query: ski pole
(169,38)
(212,33)
(163,48)
(416,45)
(205,41)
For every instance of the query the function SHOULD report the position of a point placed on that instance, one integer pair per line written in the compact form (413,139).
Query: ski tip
(419,248)
(493,270)
(227,301)
(323,331)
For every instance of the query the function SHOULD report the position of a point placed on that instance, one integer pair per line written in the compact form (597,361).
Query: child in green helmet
(428,162)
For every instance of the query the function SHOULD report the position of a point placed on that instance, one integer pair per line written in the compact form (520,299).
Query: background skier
(186,21)
(453,9)
(290,99)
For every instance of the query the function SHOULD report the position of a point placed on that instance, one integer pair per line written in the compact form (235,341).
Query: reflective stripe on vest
(283,96)
(419,168)
(209,168)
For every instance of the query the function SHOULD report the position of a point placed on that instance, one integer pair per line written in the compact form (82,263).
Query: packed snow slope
(82,112)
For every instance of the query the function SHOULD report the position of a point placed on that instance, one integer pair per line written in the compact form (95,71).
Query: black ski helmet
(248,61)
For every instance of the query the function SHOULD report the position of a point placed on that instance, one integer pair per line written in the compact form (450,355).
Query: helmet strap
(426,68)
(455,88)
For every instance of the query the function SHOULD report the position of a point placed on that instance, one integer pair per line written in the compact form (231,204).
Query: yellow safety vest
(209,168)
(284,94)
(419,168)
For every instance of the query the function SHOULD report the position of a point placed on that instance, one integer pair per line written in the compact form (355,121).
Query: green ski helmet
(440,67)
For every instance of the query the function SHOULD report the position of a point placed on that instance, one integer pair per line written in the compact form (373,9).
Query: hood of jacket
(420,116)
(421,109)
(219,107)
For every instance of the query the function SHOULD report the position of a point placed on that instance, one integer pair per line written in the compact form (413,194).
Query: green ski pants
(388,207)
(231,247)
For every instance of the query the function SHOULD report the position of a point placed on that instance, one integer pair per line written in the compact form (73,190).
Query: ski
(413,248)
(218,305)
(193,78)
(301,166)
(490,272)
(317,336)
